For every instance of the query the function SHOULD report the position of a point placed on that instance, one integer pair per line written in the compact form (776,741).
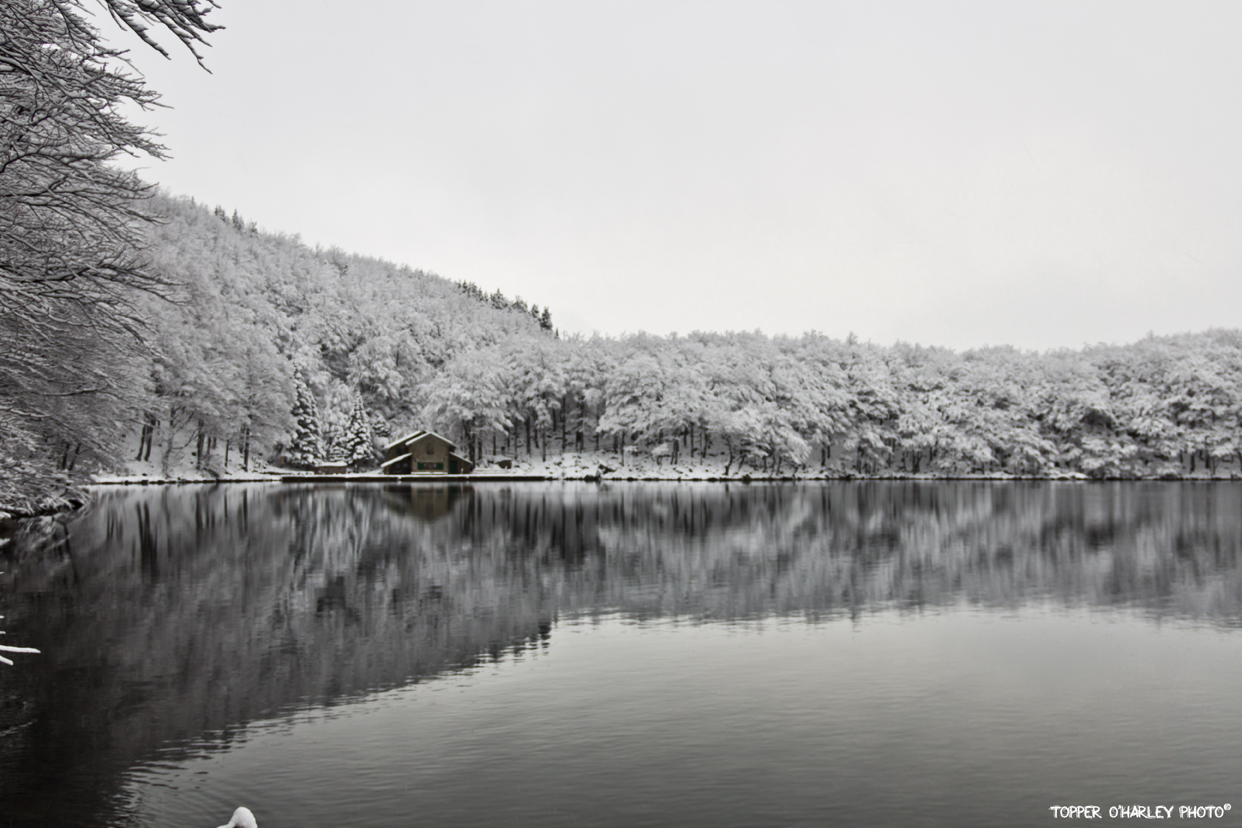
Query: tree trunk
(70,456)
(154,421)
(199,445)
(171,444)
(148,431)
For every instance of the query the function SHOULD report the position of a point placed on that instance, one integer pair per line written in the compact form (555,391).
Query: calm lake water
(904,654)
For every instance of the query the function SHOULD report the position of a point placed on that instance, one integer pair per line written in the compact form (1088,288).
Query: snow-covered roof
(395,460)
(419,436)
(401,440)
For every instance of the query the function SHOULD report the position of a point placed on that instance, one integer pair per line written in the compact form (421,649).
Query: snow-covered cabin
(425,452)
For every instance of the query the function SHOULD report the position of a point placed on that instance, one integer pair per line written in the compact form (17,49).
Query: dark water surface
(626,655)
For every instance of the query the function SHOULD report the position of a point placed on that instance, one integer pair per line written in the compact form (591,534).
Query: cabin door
(452,467)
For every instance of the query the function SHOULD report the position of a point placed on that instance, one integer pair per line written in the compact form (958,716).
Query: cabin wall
(430,455)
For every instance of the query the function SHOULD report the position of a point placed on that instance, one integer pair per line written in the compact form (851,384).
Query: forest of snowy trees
(269,351)
(282,352)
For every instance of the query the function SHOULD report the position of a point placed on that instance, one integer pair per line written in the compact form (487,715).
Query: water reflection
(174,615)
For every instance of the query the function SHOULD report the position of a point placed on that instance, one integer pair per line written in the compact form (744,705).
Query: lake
(639,654)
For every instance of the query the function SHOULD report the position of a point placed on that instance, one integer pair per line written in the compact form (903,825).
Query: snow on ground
(137,471)
(590,464)
(643,466)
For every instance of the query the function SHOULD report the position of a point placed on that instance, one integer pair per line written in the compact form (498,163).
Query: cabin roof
(401,440)
(418,436)
(388,463)
(423,435)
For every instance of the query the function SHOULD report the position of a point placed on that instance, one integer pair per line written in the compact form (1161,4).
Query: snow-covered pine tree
(333,442)
(359,443)
(307,447)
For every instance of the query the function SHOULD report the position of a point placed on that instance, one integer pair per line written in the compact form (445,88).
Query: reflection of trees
(176,614)
(728,551)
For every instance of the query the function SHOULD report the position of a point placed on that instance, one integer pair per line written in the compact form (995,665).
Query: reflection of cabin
(425,501)
(424,451)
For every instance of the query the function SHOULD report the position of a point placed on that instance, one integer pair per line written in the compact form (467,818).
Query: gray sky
(1039,174)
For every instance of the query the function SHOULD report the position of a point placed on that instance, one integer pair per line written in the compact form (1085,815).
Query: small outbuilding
(424,452)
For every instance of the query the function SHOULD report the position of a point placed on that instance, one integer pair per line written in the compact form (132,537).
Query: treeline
(263,314)
(1161,406)
(378,348)
(261,347)
(500,302)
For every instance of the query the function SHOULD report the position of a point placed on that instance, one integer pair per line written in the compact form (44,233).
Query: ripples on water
(649,654)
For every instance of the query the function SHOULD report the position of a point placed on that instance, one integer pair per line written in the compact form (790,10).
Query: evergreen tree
(333,442)
(307,446)
(359,443)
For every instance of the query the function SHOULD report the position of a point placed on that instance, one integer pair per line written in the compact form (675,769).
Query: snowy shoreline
(591,465)
(635,476)
(553,472)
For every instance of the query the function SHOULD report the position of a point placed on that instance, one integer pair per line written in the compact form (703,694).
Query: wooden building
(424,452)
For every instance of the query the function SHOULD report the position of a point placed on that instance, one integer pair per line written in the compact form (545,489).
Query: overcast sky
(1038,174)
